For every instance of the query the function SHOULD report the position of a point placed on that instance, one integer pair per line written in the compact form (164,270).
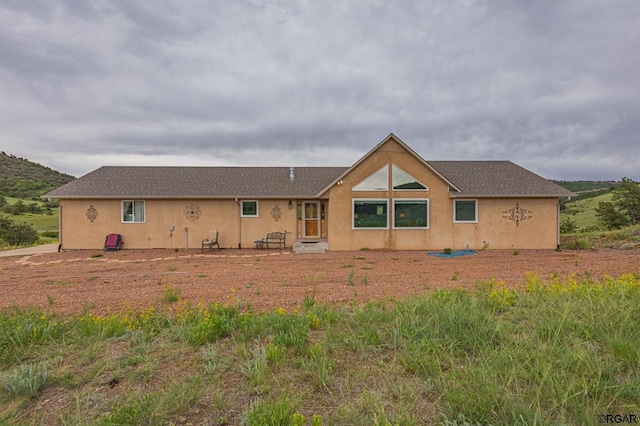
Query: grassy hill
(21,178)
(582,211)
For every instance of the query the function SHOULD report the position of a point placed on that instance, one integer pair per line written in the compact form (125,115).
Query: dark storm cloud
(551,85)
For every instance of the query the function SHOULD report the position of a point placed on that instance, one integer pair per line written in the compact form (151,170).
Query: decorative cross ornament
(517,214)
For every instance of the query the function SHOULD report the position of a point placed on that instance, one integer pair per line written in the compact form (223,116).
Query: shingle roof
(496,178)
(473,178)
(477,178)
(198,182)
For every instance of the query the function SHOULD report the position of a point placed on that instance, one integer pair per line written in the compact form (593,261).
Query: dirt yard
(71,281)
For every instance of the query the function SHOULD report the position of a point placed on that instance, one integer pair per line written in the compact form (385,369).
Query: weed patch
(171,294)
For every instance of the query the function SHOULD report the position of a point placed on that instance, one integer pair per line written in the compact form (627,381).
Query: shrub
(17,234)
(256,368)
(171,294)
(568,226)
(25,380)
(211,324)
(209,358)
(610,217)
(577,245)
(11,209)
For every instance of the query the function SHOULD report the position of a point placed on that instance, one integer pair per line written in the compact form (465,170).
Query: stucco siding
(500,227)
(358,207)
(538,229)
(343,236)
(191,220)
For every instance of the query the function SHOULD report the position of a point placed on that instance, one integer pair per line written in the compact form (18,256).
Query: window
(249,209)
(413,213)
(403,181)
(133,211)
(379,181)
(465,211)
(370,213)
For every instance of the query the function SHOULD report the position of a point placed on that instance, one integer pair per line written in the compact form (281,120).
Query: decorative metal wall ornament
(92,213)
(517,214)
(192,212)
(276,212)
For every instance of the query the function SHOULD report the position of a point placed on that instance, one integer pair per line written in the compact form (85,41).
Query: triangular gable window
(379,181)
(403,181)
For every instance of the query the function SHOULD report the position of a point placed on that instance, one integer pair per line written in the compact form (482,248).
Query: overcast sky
(552,85)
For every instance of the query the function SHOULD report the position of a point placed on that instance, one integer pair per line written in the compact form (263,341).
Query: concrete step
(310,247)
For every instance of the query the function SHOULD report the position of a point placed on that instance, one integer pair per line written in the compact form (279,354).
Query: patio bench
(272,239)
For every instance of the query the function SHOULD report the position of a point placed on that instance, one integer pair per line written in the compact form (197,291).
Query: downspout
(59,228)
(239,224)
(558,227)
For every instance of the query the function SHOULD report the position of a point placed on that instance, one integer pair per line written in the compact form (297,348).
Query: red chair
(113,242)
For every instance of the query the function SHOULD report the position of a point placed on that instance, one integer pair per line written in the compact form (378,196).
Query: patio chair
(211,241)
(113,242)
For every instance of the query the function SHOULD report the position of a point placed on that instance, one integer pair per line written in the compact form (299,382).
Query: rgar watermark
(618,418)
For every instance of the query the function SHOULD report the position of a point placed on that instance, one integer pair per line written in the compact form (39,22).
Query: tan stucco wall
(495,231)
(78,232)
(539,232)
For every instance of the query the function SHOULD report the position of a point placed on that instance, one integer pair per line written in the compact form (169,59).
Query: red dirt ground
(69,281)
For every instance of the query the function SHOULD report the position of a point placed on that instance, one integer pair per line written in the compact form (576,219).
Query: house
(391,198)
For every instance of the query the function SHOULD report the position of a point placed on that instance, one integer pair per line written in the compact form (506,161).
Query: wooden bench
(272,239)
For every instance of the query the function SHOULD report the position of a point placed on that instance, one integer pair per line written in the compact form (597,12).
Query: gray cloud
(550,85)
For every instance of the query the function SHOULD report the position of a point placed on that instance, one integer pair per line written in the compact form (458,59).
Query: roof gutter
(179,197)
(464,195)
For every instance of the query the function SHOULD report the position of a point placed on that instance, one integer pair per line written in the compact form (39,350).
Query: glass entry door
(311,219)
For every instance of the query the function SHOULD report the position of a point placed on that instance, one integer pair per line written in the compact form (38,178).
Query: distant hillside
(587,188)
(21,178)
(579,186)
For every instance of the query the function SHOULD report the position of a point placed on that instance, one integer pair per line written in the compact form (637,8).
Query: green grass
(41,222)
(561,351)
